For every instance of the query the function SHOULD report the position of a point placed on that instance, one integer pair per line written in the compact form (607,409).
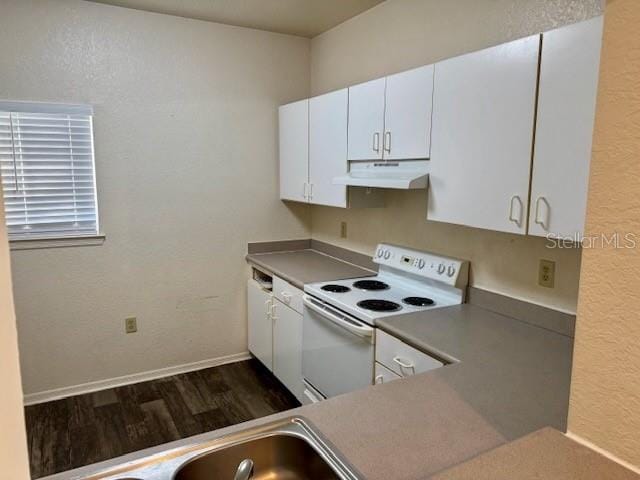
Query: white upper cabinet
(328,148)
(366,120)
(566,111)
(390,117)
(407,118)
(483,120)
(294,150)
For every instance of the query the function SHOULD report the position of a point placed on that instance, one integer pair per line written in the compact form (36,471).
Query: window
(48,170)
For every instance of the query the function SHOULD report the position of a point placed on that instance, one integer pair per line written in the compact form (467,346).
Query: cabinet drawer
(401,358)
(287,294)
(384,375)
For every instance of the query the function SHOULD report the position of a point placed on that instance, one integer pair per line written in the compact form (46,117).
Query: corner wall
(187,174)
(13,439)
(400,34)
(605,389)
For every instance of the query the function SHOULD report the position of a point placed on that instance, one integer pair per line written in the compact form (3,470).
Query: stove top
(379,305)
(408,281)
(335,288)
(419,301)
(372,285)
(398,297)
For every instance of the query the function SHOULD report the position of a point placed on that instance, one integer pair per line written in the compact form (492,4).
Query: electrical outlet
(130,325)
(343,229)
(547,273)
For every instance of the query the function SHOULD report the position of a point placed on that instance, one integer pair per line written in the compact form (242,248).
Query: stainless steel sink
(289,449)
(276,456)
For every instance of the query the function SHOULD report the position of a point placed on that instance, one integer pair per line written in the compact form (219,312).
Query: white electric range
(339,316)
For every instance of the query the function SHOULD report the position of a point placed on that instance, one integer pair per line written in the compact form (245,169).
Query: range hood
(399,175)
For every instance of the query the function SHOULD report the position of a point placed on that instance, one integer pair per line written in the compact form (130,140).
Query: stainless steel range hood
(404,175)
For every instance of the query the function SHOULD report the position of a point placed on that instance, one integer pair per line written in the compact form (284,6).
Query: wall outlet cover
(130,325)
(547,273)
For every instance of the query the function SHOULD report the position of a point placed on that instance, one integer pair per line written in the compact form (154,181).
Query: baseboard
(602,452)
(58,393)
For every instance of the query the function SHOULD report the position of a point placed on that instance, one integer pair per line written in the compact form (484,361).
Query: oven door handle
(353,326)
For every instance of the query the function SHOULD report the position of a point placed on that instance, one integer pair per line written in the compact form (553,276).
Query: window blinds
(48,172)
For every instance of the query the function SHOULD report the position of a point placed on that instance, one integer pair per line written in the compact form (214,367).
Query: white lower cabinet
(288,294)
(400,358)
(275,331)
(384,375)
(259,323)
(287,348)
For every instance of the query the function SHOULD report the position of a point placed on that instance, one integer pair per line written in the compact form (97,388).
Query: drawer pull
(286,296)
(405,365)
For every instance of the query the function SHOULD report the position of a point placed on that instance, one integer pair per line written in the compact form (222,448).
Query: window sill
(58,242)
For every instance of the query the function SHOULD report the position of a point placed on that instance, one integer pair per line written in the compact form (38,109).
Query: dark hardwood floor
(85,429)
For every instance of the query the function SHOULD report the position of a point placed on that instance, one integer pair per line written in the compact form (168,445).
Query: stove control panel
(436,267)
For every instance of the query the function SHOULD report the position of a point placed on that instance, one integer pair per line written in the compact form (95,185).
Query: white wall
(186,153)
(401,34)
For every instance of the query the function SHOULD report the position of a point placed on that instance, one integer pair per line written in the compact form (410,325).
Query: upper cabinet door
(483,116)
(328,148)
(566,111)
(366,120)
(407,121)
(294,150)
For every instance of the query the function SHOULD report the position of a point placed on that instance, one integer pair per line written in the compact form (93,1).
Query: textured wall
(400,34)
(605,391)
(13,441)
(187,173)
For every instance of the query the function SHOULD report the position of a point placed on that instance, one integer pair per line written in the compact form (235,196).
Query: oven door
(337,349)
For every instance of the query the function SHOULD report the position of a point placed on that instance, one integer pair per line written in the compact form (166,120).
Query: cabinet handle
(273,311)
(376,142)
(379,380)
(543,223)
(405,365)
(310,191)
(304,190)
(386,144)
(268,308)
(512,218)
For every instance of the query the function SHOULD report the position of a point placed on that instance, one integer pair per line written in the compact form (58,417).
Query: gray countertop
(306,266)
(507,379)
(513,373)
(545,454)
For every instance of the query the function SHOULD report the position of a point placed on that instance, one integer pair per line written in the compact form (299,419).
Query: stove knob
(387,255)
(380,252)
(441,268)
(421,263)
(451,271)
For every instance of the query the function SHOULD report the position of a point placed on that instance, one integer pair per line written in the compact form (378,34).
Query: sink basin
(279,456)
(288,449)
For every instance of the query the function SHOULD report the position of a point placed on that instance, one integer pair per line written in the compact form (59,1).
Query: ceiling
(306,18)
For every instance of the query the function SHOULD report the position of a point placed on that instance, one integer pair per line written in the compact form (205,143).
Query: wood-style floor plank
(90,428)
